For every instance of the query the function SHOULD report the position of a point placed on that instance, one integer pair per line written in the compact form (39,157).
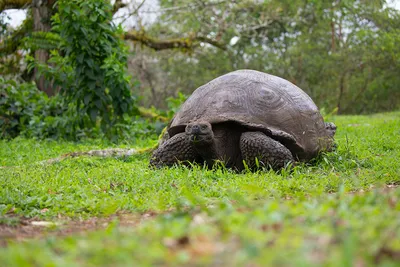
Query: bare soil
(34,228)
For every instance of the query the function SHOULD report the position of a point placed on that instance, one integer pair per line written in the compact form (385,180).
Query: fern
(42,40)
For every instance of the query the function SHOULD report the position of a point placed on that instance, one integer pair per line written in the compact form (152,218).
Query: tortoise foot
(257,147)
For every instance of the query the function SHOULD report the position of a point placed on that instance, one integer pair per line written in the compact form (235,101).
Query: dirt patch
(381,189)
(36,229)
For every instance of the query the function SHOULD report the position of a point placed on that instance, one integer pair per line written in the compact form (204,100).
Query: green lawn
(342,210)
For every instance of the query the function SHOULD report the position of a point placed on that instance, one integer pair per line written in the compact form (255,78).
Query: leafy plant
(324,47)
(174,103)
(24,109)
(89,67)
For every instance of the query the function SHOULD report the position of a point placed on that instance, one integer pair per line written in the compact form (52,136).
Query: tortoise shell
(259,102)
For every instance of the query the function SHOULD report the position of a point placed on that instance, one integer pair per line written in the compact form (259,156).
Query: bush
(29,112)
(91,46)
(25,109)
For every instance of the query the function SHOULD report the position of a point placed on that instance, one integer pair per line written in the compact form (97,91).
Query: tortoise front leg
(175,150)
(269,153)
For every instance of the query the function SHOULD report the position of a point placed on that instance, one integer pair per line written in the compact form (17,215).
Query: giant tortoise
(245,118)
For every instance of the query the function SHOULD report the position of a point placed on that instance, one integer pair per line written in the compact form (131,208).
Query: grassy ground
(343,210)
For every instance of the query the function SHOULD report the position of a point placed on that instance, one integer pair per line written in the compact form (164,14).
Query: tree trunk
(333,47)
(41,12)
(341,92)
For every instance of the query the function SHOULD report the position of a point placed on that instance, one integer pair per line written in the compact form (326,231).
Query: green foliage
(41,40)
(343,209)
(3,25)
(89,67)
(342,53)
(174,103)
(10,58)
(25,110)
(98,56)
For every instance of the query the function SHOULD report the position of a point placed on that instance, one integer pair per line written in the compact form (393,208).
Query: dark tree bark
(178,43)
(41,12)
(13,4)
(341,91)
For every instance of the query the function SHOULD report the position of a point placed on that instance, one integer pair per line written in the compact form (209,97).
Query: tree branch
(134,12)
(211,42)
(11,43)
(180,43)
(21,4)
(14,4)
(117,5)
(187,6)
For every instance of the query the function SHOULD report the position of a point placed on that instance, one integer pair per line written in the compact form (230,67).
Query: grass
(342,210)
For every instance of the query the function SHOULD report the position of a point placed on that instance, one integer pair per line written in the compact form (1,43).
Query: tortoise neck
(208,151)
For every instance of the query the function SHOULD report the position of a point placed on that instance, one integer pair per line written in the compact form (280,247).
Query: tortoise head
(330,128)
(199,133)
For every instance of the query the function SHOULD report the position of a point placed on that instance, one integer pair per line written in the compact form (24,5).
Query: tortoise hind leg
(175,150)
(269,153)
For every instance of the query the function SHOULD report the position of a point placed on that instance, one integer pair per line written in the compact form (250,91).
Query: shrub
(23,107)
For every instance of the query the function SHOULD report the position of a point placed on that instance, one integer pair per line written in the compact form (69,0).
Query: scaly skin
(198,144)
(175,150)
(201,136)
(269,153)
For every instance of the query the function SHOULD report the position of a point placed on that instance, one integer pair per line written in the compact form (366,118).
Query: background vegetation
(344,54)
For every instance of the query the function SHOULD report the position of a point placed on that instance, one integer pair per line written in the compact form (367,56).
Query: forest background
(121,69)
